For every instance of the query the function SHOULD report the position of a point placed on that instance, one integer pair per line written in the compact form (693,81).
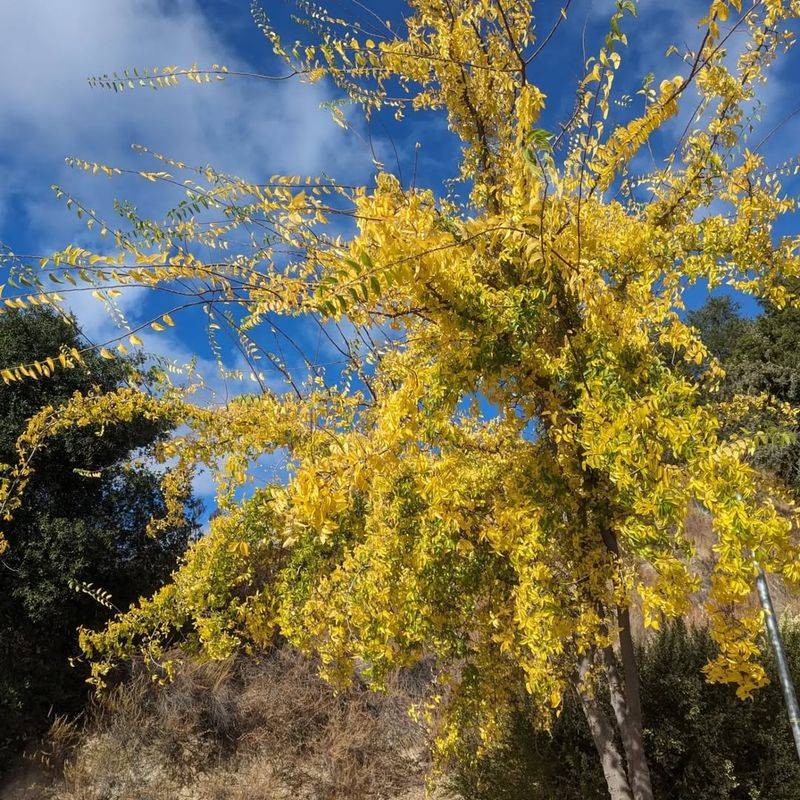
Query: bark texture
(603,736)
(630,730)
(626,696)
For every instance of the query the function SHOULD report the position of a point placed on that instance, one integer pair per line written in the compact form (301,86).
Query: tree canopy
(521,423)
(760,358)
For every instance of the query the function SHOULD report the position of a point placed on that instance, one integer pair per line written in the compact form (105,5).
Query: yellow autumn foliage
(520,424)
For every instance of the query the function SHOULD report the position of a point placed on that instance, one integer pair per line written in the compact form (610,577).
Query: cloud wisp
(246,127)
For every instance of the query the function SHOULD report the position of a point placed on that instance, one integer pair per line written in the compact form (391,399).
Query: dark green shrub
(72,527)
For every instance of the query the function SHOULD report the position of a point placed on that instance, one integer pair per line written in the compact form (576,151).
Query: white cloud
(95,320)
(49,48)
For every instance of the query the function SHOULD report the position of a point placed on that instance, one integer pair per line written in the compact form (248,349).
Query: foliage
(520,423)
(761,359)
(83,521)
(703,742)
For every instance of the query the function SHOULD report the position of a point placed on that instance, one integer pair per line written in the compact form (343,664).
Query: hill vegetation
(266,727)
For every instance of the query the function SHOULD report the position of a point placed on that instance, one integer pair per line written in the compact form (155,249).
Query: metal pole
(780,656)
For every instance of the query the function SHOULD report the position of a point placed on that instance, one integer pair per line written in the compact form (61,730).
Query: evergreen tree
(84,521)
(761,357)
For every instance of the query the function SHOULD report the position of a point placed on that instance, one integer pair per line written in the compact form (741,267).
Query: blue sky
(248,127)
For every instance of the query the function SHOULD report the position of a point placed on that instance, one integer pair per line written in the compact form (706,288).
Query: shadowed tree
(761,359)
(84,521)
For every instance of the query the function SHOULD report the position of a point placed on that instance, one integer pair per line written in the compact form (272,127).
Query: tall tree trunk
(626,696)
(637,759)
(603,735)
(630,730)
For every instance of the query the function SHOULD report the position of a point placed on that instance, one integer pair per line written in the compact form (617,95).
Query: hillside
(247,729)
(266,727)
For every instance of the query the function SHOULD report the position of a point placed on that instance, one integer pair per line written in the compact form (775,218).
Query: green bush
(702,742)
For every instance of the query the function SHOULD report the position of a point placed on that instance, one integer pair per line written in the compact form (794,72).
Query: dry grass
(248,729)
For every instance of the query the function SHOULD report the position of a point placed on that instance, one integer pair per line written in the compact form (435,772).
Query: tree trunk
(637,759)
(626,697)
(630,730)
(603,735)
